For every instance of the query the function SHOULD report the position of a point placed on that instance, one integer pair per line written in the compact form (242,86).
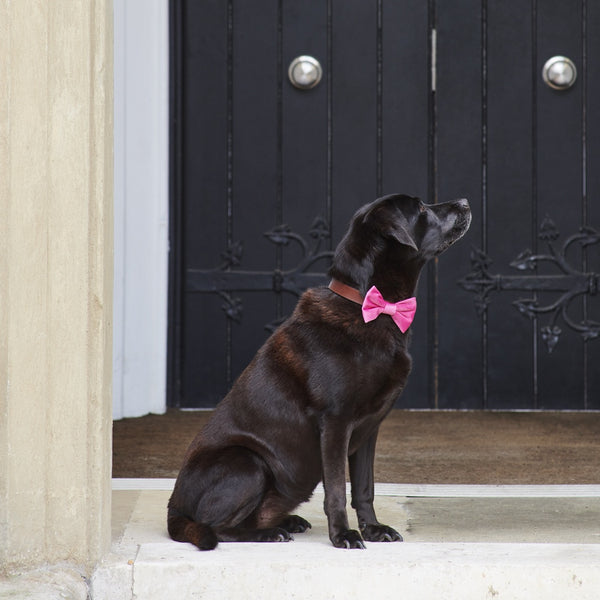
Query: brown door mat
(454,447)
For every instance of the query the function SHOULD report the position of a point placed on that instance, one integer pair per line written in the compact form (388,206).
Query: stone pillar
(55,280)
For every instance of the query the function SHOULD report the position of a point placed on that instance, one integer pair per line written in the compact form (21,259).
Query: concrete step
(57,582)
(463,542)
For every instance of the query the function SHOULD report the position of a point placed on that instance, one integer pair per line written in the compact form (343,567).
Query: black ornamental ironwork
(568,282)
(227,278)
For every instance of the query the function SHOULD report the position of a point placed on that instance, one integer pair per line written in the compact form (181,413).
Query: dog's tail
(183,529)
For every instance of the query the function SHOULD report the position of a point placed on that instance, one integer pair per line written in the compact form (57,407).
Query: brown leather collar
(345,291)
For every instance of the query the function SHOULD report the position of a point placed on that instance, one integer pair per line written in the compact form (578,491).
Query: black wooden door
(435,99)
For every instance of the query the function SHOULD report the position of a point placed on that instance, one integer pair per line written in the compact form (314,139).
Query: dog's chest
(381,385)
(384,369)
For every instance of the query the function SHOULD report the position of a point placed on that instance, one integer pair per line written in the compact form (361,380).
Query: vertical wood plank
(459,140)
(255,165)
(305,130)
(559,154)
(509,195)
(204,190)
(591,172)
(354,73)
(404,148)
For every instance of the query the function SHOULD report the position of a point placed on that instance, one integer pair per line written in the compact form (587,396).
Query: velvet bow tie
(402,312)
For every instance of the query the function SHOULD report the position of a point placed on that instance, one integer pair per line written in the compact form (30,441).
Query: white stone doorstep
(317,571)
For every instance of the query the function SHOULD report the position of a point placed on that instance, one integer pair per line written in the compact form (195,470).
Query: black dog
(316,392)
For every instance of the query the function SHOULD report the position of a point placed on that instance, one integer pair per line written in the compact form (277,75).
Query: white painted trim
(415,490)
(141,87)
(486,491)
(125,484)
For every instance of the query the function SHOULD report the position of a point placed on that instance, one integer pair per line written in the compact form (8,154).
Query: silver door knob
(305,72)
(559,72)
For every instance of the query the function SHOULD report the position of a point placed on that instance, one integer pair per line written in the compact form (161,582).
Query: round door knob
(305,72)
(559,72)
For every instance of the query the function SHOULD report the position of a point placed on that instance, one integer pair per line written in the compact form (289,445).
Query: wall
(55,280)
(141,206)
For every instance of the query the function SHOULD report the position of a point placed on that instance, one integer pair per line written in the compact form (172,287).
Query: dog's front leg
(363,494)
(334,449)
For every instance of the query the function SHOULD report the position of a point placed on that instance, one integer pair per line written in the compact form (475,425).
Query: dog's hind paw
(295,524)
(348,539)
(375,532)
(275,534)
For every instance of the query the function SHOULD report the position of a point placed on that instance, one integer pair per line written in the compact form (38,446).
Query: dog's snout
(463,203)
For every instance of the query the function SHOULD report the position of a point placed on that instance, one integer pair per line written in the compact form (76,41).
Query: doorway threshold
(417,490)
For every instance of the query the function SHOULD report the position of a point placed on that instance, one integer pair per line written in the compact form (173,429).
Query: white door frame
(141,196)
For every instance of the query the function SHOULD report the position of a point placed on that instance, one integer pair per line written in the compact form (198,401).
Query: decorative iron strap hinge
(570,281)
(226,278)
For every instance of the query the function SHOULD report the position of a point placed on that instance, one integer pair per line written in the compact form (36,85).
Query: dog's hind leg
(294,524)
(275,510)
(217,498)
(270,522)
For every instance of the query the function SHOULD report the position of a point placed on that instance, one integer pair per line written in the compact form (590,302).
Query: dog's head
(390,239)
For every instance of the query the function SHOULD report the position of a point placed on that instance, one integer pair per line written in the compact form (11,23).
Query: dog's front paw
(295,524)
(375,532)
(348,539)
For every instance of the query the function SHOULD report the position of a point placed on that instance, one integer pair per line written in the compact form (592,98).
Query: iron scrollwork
(299,278)
(228,278)
(570,281)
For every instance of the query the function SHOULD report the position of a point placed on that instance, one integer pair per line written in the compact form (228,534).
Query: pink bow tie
(402,312)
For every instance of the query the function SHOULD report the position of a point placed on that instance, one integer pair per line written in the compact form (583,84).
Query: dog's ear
(399,232)
(388,216)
